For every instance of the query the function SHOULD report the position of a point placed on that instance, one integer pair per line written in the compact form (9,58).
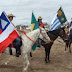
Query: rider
(70,29)
(69,33)
(17,40)
(40,25)
(40,22)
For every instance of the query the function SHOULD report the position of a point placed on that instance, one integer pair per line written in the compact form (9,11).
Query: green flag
(34,25)
(61,16)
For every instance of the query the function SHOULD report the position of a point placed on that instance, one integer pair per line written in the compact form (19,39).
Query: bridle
(61,35)
(42,35)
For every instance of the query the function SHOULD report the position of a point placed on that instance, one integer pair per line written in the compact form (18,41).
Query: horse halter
(61,34)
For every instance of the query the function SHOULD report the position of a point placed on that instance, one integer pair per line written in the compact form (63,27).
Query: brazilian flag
(34,25)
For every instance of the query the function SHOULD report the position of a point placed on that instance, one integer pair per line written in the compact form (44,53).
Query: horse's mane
(33,32)
(30,34)
(54,34)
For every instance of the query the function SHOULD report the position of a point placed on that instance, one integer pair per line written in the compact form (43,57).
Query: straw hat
(40,17)
(11,15)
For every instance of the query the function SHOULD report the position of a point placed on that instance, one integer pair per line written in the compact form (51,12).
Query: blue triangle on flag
(4,17)
(4,22)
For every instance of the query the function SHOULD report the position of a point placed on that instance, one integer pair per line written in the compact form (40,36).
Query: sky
(47,9)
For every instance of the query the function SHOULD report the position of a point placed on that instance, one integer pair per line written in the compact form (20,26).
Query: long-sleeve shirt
(41,25)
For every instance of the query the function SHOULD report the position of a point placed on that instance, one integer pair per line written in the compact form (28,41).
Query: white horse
(27,44)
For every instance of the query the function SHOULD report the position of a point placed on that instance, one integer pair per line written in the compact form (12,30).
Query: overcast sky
(22,9)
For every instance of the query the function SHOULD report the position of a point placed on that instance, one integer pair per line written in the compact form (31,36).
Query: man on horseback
(69,33)
(17,42)
(70,29)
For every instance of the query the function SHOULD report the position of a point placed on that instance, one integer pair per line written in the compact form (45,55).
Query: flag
(58,20)
(7,32)
(34,25)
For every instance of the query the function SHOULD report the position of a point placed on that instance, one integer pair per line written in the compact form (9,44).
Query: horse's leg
(69,46)
(26,62)
(31,53)
(48,54)
(10,50)
(65,46)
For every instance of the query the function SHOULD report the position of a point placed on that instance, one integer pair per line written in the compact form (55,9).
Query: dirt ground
(61,60)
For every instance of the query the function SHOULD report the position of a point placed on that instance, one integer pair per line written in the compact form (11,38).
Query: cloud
(22,9)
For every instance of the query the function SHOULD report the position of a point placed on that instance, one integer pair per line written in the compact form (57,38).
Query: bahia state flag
(58,20)
(34,25)
(7,32)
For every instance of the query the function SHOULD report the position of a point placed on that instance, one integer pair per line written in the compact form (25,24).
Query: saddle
(17,47)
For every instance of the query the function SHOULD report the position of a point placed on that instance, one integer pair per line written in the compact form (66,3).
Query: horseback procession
(15,44)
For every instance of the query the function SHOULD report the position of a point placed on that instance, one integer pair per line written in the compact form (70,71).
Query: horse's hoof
(17,55)
(45,59)
(25,69)
(70,51)
(28,63)
(48,60)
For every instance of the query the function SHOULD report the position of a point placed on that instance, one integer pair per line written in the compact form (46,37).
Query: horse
(27,44)
(68,43)
(53,36)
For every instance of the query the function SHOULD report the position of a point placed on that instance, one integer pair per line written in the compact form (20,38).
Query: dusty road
(61,61)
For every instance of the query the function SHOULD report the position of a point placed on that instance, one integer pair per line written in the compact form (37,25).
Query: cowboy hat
(40,17)
(11,15)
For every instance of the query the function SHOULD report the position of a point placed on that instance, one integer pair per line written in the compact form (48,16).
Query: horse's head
(43,35)
(62,34)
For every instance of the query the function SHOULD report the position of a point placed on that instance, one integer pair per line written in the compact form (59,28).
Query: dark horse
(68,42)
(53,36)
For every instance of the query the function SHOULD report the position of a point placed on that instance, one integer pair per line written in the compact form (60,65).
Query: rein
(30,38)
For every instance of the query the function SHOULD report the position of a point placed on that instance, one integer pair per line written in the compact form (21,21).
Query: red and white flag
(7,32)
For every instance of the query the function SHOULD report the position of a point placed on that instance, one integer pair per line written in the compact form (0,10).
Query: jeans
(17,41)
